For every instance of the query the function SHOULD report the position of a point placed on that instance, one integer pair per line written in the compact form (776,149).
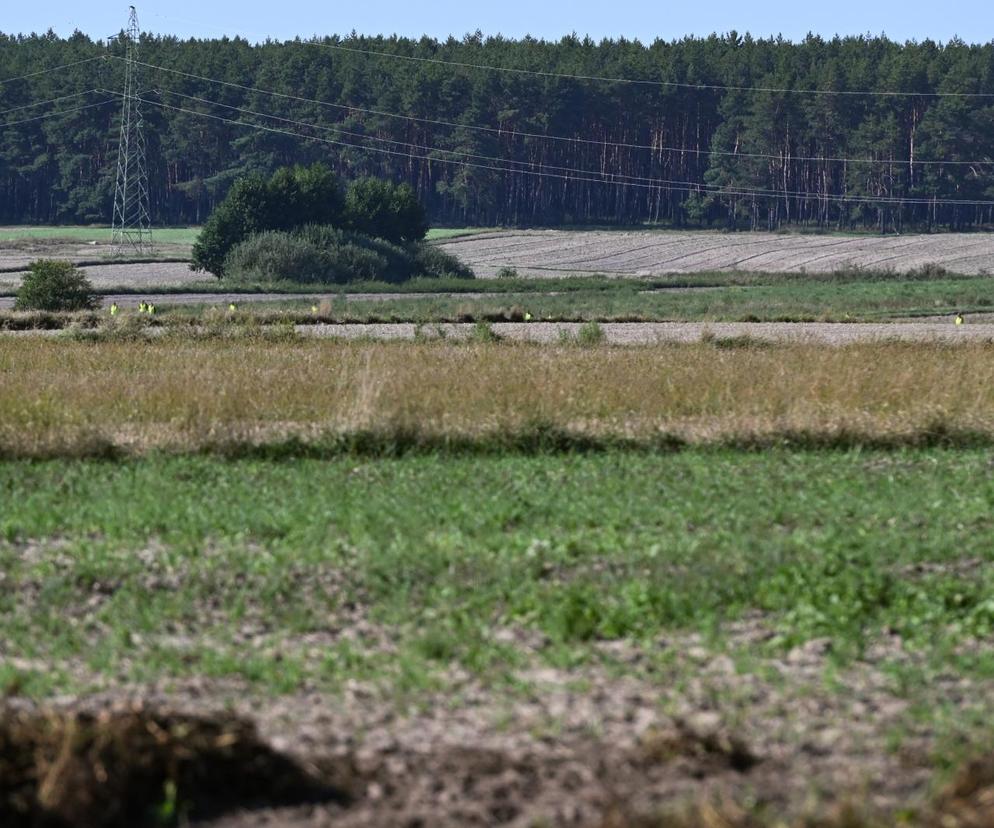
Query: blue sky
(972,20)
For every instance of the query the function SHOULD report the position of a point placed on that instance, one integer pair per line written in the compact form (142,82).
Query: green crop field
(783,300)
(763,585)
(168,235)
(716,297)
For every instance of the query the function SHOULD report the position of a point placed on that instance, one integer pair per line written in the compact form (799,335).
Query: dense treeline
(793,146)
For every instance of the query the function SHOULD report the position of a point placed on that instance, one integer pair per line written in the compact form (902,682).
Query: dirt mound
(139,767)
(968,801)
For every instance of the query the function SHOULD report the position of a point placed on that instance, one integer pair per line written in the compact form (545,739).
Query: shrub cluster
(55,285)
(319,254)
(295,197)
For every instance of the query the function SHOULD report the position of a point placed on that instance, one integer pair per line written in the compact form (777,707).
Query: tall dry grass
(60,397)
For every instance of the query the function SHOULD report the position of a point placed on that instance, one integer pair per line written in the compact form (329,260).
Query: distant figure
(150,309)
(232,308)
(959,318)
(528,317)
(141,307)
(314,309)
(113,308)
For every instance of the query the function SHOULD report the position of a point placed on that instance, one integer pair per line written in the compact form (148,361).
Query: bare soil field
(16,255)
(937,330)
(105,276)
(20,253)
(550,253)
(649,333)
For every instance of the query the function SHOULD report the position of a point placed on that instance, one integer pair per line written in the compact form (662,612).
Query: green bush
(386,210)
(291,198)
(356,257)
(433,261)
(297,196)
(275,256)
(54,285)
(327,255)
(587,335)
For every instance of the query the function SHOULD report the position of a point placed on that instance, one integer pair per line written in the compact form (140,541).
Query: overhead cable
(671,186)
(543,136)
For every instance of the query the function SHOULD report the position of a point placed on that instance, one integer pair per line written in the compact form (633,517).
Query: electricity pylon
(132,223)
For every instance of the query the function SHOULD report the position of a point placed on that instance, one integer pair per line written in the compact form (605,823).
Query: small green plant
(740,342)
(590,333)
(483,332)
(55,285)
(507,273)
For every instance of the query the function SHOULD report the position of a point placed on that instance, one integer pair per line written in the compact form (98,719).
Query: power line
(363,136)
(672,186)
(52,69)
(54,114)
(51,101)
(603,177)
(671,84)
(544,136)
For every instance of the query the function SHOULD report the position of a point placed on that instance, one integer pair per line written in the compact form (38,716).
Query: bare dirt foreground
(552,253)
(586,747)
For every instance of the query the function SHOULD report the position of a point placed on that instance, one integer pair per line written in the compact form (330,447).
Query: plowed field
(650,253)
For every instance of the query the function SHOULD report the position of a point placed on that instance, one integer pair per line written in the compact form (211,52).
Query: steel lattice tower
(132,223)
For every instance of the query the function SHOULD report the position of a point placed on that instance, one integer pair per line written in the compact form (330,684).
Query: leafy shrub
(433,261)
(295,197)
(327,255)
(53,285)
(291,198)
(356,257)
(386,210)
(274,256)
(507,273)
(590,333)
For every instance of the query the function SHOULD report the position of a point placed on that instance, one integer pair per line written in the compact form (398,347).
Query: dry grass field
(187,394)
(552,253)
